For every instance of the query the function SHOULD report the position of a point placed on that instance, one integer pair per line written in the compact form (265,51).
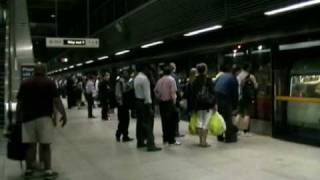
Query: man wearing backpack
(247,94)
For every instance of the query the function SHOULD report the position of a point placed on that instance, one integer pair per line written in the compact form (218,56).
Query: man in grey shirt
(144,110)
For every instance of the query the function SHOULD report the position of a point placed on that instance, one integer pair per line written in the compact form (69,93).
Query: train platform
(86,149)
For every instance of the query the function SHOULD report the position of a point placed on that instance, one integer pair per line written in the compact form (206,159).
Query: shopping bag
(193,124)
(217,125)
(240,122)
(16,150)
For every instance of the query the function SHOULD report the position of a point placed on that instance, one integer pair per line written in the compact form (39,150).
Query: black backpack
(205,97)
(248,89)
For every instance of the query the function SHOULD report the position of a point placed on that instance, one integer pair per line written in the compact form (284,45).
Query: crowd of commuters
(231,93)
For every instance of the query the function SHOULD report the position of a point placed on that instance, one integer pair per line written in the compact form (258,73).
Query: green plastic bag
(217,125)
(193,124)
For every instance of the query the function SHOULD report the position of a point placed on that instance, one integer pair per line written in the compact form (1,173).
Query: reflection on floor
(86,150)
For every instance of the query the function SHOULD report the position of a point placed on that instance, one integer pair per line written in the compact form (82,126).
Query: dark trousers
(90,101)
(104,110)
(176,118)
(124,119)
(144,127)
(169,123)
(225,109)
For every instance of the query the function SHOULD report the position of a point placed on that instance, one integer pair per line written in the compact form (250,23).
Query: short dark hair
(201,68)
(167,70)
(39,70)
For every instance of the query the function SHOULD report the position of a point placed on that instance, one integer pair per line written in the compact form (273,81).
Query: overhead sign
(72,42)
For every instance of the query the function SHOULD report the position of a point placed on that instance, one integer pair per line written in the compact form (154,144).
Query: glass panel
(305,86)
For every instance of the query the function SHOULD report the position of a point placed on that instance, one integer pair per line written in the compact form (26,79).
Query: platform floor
(86,150)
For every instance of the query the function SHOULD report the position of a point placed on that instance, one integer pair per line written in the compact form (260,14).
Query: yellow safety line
(298,99)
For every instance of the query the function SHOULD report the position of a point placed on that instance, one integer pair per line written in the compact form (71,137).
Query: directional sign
(72,42)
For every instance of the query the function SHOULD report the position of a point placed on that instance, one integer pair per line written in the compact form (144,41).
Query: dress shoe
(127,139)
(153,149)
(118,138)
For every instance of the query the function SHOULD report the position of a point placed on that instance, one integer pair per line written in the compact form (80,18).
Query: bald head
(39,70)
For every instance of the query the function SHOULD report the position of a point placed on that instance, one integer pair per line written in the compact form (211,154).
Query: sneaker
(50,175)
(247,134)
(177,143)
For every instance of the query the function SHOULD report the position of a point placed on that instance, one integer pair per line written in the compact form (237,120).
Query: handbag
(16,150)
(240,122)
(217,125)
(193,124)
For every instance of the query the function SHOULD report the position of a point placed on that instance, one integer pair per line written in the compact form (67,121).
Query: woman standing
(204,102)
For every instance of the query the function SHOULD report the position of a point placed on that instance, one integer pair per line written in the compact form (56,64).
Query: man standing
(176,115)
(144,110)
(37,100)
(122,91)
(226,91)
(165,91)
(90,92)
(104,96)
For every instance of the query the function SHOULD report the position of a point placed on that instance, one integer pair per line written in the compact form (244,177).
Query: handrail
(298,99)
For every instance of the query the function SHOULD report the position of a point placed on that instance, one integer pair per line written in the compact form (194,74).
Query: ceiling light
(239,46)
(53,15)
(71,67)
(78,65)
(292,7)
(122,52)
(64,60)
(299,45)
(65,69)
(260,47)
(103,57)
(193,33)
(89,62)
(235,51)
(152,44)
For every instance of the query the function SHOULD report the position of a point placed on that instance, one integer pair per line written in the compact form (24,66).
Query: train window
(305,86)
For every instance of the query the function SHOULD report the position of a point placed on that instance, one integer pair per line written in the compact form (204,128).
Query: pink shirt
(165,88)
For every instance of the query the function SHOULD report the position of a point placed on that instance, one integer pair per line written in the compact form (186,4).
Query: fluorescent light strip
(292,7)
(78,65)
(122,52)
(152,44)
(300,45)
(65,69)
(89,62)
(71,67)
(103,57)
(193,33)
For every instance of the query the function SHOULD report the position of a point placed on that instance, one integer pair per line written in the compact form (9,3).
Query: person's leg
(139,128)
(163,121)
(104,111)
(172,124)
(207,116)
(45,155)
(31,156)
(126,122)
(200,117)
(120,123)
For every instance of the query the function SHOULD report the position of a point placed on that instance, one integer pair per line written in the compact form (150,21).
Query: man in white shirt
(144,110)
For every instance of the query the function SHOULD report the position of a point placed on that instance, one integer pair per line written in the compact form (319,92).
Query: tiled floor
(86,150)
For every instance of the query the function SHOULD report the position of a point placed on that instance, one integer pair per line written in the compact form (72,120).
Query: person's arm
(59,107)
(118,92)
(19,112)
(173,91)
(146,91)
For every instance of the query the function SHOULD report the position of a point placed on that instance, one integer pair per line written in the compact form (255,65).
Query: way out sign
(72,42)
